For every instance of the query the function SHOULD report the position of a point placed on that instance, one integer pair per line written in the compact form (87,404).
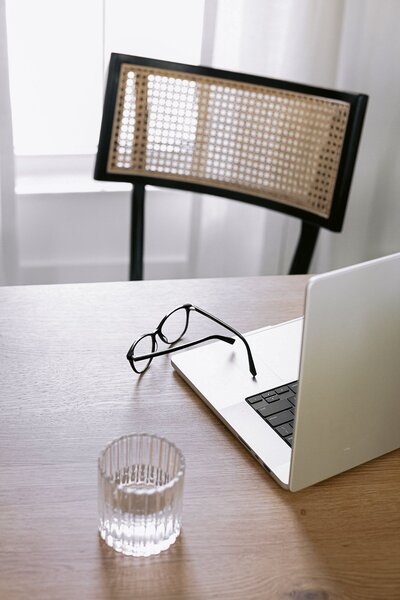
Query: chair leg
(137,232)
(305,249)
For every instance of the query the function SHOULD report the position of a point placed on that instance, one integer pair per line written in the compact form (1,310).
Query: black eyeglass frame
(158,332)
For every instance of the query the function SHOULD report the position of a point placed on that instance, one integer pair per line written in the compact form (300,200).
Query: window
(59,51)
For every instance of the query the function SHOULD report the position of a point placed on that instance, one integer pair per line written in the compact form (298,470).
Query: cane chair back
(285,146)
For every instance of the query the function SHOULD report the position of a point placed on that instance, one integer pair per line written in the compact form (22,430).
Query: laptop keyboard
(277,408)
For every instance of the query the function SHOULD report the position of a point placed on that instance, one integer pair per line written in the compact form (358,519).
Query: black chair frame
(311,223)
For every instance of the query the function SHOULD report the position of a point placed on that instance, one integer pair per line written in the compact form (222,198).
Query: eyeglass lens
(174,326)
(144,345)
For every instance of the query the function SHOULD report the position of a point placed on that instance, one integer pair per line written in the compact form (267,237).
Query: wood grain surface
(66,389)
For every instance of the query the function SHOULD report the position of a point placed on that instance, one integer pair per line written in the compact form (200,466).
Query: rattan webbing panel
(275,144)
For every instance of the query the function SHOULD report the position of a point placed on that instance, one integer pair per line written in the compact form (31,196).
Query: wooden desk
(66,389)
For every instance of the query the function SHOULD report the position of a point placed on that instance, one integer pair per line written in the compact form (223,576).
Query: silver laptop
(334,376)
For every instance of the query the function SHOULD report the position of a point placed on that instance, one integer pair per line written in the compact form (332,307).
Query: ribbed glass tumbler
(140,494)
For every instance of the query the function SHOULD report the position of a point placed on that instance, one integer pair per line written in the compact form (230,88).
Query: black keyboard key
(292,400)
(284,430)
(253,399)
(287,394)
(293,386)
(289,440)
(282,390)
(267,395)
(278,419)
(258,405)
(274,407)
(273,398)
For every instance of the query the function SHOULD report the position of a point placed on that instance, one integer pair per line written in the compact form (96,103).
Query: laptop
(326,397)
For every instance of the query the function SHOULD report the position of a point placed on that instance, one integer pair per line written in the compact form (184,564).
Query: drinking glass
(140,494)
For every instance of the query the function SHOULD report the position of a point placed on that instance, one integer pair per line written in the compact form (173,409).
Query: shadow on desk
(349,530)
(166,575)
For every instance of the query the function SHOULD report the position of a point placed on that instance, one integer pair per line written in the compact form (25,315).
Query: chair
(278,144)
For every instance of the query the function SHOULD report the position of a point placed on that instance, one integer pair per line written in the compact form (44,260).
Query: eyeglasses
(170,330)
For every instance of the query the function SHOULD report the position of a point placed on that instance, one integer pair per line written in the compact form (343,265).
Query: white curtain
(368,61)
(352,45)
(8,245)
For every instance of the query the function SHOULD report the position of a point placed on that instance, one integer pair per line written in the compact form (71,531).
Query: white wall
(78,235)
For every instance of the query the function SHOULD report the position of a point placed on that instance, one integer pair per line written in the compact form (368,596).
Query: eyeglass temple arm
(222,338)
(252,366)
